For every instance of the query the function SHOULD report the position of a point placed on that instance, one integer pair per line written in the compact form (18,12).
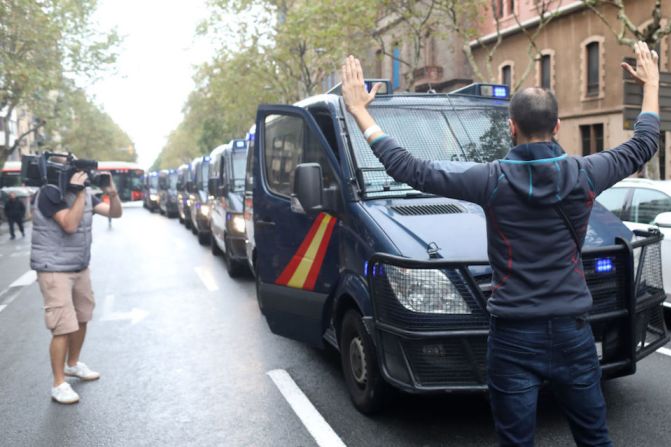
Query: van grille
(424,210)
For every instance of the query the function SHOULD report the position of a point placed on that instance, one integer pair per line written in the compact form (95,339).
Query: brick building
(580,61)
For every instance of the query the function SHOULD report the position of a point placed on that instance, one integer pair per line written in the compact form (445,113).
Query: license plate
(599,350)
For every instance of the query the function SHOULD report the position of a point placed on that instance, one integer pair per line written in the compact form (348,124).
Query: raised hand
(647,65)
(353,89)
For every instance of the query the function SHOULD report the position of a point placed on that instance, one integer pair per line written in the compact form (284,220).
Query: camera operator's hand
(79,180)
(647,65)
(111,189)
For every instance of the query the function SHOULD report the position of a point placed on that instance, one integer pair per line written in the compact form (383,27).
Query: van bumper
(430,352)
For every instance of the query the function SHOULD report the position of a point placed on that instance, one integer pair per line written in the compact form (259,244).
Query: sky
(155,67)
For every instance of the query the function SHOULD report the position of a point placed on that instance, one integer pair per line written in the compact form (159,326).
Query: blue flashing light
(604,265)
(239,143)
(501,91)
(206,158)
(365,268)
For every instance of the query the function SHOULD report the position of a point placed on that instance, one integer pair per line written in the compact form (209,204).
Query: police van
(167,192)
(183,185)
(199,200)
(150,196)
(226,188)
(248,204)
(396,279)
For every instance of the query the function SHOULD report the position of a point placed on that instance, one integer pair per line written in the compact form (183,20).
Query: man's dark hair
(535,111)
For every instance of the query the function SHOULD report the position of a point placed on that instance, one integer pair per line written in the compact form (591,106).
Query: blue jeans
(522,354)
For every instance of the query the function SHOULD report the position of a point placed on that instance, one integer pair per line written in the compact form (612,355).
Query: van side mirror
(308,187)
(189,186)
(212,186)
(663,220)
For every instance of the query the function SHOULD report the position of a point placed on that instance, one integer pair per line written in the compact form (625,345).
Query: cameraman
(536,197)
(61,251)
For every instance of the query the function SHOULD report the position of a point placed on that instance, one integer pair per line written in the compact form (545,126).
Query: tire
(235,269)
(358,359)
(203,238)
(179,216)
(216,251)
(257,283)
(194,229)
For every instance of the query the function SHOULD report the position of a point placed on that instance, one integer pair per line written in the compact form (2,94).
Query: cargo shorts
(68,300)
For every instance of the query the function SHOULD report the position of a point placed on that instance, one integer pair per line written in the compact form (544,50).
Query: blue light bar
(501,91)
(604,265)
(239,143)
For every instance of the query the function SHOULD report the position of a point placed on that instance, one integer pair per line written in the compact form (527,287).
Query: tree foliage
(43,45)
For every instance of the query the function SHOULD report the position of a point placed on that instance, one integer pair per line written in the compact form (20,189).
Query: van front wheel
(358,358)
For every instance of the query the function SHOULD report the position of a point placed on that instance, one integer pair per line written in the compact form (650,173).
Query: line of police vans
(394,279)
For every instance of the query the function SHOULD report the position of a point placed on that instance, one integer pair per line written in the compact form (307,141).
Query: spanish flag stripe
(300,275)
(319,259)
(289,270)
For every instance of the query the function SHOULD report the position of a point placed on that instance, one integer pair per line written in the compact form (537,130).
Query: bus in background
(128,178)
(10,181)
(10,175)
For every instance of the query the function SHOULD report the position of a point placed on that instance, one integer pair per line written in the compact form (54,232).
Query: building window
(507,75)
(592,138)
(498,8)
(546,71)
(396,68)
(511,7)
(593,69)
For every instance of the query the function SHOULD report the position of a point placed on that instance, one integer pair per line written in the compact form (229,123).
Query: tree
(628,33)
(465,18)
(411,23)
(87,131)
(42,44)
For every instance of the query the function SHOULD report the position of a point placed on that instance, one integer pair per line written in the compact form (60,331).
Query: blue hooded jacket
(537,267)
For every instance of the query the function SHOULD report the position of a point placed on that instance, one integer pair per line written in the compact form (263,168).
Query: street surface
(185,355)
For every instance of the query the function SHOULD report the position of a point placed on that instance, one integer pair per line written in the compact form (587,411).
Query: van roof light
(497,91)
(386,88)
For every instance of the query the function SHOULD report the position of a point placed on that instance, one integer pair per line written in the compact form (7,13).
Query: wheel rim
(357,361)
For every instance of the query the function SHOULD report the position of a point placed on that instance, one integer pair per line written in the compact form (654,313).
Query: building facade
(580,61)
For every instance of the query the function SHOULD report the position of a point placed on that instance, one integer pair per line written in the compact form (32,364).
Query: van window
(647,204)
(249,177)
(288,142)
(615,199)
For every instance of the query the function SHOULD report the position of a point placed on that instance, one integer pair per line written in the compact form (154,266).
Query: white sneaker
(82,371)
(64,394)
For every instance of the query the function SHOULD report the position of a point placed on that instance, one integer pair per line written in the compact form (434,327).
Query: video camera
(39,170)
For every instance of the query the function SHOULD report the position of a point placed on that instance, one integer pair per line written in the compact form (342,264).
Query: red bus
(128,178)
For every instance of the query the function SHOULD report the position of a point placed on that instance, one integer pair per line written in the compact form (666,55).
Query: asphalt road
(185,354)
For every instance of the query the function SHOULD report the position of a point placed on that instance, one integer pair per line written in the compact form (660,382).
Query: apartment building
(580,61)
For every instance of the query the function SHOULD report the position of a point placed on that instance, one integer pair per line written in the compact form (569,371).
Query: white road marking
(2,307)
(207,279)
(314,422)
(665,351)
(19,253)
(135,315)
(25,280)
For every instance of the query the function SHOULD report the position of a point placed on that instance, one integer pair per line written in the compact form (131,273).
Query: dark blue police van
(226,187)
(183,185)
(396,279)
(199,200)
(167,192)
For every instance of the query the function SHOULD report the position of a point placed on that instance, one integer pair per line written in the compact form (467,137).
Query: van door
(297,257)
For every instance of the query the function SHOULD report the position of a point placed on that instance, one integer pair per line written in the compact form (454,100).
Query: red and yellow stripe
(303,269)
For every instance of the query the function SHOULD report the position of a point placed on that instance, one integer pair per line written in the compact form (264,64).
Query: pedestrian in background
(15,211)
(60,253)
(535,198)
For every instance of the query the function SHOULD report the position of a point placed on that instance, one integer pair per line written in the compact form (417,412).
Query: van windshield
(431,128)
(239,167)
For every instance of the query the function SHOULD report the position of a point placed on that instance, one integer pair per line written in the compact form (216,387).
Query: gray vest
(54,250)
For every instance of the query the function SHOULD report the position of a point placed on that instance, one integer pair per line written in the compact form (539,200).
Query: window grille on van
(424,210)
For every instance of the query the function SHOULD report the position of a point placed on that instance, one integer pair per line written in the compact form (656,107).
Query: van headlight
(237,223)
(205,210)
(426,291)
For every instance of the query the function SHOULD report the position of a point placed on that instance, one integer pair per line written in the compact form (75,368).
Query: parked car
(226,188)
(167,192)
(642,203)
(396,279)
(184,181)
(199,200)
(150,194)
